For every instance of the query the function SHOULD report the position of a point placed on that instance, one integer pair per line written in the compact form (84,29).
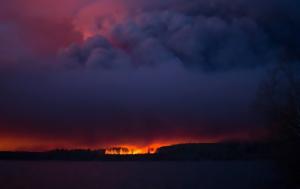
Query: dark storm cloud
(191,67)
(213,35)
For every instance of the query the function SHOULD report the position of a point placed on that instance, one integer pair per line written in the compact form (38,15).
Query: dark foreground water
(139,175)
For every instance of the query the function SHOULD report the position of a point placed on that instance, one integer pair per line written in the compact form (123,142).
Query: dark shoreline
(180,152)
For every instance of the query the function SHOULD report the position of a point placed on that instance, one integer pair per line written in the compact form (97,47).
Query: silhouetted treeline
(218,151)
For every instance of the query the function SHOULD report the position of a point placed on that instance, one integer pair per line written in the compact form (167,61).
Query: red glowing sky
(156,105)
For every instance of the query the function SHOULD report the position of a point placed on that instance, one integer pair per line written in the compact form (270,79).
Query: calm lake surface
(139,175)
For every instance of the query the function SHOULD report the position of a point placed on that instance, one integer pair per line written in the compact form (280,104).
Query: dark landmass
(219,151)
(184,152)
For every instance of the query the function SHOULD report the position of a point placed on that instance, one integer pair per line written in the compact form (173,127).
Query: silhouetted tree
(118,150)
(279,99)
(125,150)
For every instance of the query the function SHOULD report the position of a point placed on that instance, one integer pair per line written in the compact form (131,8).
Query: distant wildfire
(130,76)
(137,146)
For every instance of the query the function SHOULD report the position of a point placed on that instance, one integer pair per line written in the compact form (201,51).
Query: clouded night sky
(100,73)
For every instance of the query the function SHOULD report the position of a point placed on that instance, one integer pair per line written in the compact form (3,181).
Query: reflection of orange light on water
(129,150)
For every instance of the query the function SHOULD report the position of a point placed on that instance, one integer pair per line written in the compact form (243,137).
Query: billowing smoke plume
(139,71)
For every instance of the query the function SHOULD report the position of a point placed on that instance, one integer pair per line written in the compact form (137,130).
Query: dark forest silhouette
(216,151)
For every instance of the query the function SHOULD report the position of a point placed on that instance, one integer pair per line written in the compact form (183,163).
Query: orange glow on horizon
(151,148)
(118,146)
(10,143)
